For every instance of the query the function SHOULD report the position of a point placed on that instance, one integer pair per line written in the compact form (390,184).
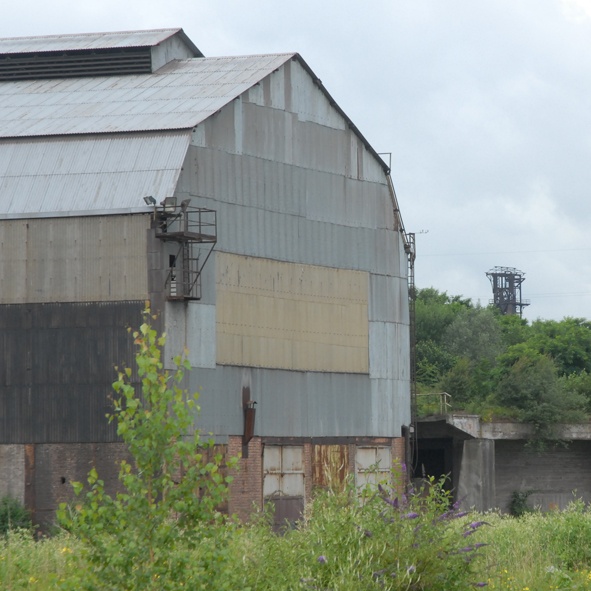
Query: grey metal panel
(90,173)
(300,404)
(190,328)
(57,364)
(255,232)
(389,350)
(73,259)
(85,41)
(180,95)
(388,299)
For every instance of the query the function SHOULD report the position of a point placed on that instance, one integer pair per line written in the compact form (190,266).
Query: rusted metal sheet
(57,365)
(330,466)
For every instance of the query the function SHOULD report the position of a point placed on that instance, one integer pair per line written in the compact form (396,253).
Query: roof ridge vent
(75,56)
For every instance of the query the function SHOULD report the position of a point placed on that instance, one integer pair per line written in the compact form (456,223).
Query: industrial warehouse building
(236,197)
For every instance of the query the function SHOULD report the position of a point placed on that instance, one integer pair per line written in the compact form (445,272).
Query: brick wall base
(246,490)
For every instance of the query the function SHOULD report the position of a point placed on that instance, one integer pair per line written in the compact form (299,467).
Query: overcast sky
(484,105)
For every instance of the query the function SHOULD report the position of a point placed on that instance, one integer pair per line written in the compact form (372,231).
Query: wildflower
(411,569)
(477,524)
(411,515)
(393,502)
(469,532)
(481,584)
(322,559)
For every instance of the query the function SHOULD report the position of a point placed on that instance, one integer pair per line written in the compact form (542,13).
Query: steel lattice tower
(506,284)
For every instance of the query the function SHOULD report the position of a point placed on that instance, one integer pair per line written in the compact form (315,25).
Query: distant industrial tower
(506,283)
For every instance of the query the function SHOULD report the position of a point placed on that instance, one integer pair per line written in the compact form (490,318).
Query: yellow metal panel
(95,258)
(291,316)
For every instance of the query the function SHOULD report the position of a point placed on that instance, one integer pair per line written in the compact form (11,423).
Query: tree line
(502,366)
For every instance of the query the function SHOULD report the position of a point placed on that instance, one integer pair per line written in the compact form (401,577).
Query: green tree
(475,334)
(532,386)
(163,530)
(568,342)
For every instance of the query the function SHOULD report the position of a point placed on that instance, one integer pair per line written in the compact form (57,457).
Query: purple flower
(476,524)
(479,545)
(480,584)
(403,467)
(322,559)
(468,533)
(411,515)
(460,514)
(466,549)
(411,569)
(393,502)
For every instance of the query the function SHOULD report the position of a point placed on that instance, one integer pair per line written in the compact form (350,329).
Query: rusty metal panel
(74,259)
(282,315)
(57,367)
(330,466)
(90,174)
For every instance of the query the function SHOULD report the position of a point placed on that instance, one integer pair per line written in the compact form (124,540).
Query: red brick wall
(246,490)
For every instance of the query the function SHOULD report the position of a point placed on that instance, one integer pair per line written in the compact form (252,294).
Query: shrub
(163,531)
(13,515)
(382,540)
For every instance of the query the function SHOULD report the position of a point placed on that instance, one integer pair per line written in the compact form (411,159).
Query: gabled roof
(180,95)
(56,133)
(91,55)
(119,39)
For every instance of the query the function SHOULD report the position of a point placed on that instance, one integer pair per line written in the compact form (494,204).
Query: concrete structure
(124,159)
(489,461)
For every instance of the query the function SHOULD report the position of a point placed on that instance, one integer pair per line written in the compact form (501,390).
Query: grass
(346,545)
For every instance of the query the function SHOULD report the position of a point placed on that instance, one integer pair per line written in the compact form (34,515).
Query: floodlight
(185,204)
(169,204)
(150,200)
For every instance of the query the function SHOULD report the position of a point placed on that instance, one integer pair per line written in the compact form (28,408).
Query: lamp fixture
(149,200)
(169,204)
(185,205)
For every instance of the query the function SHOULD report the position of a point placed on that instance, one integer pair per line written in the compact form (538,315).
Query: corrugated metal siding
(389,351)
(289,316)
(88,174)
(57,366)
(190,327)
(74,259)
(178,96)
(388,299)
(252,164)
(300,404)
